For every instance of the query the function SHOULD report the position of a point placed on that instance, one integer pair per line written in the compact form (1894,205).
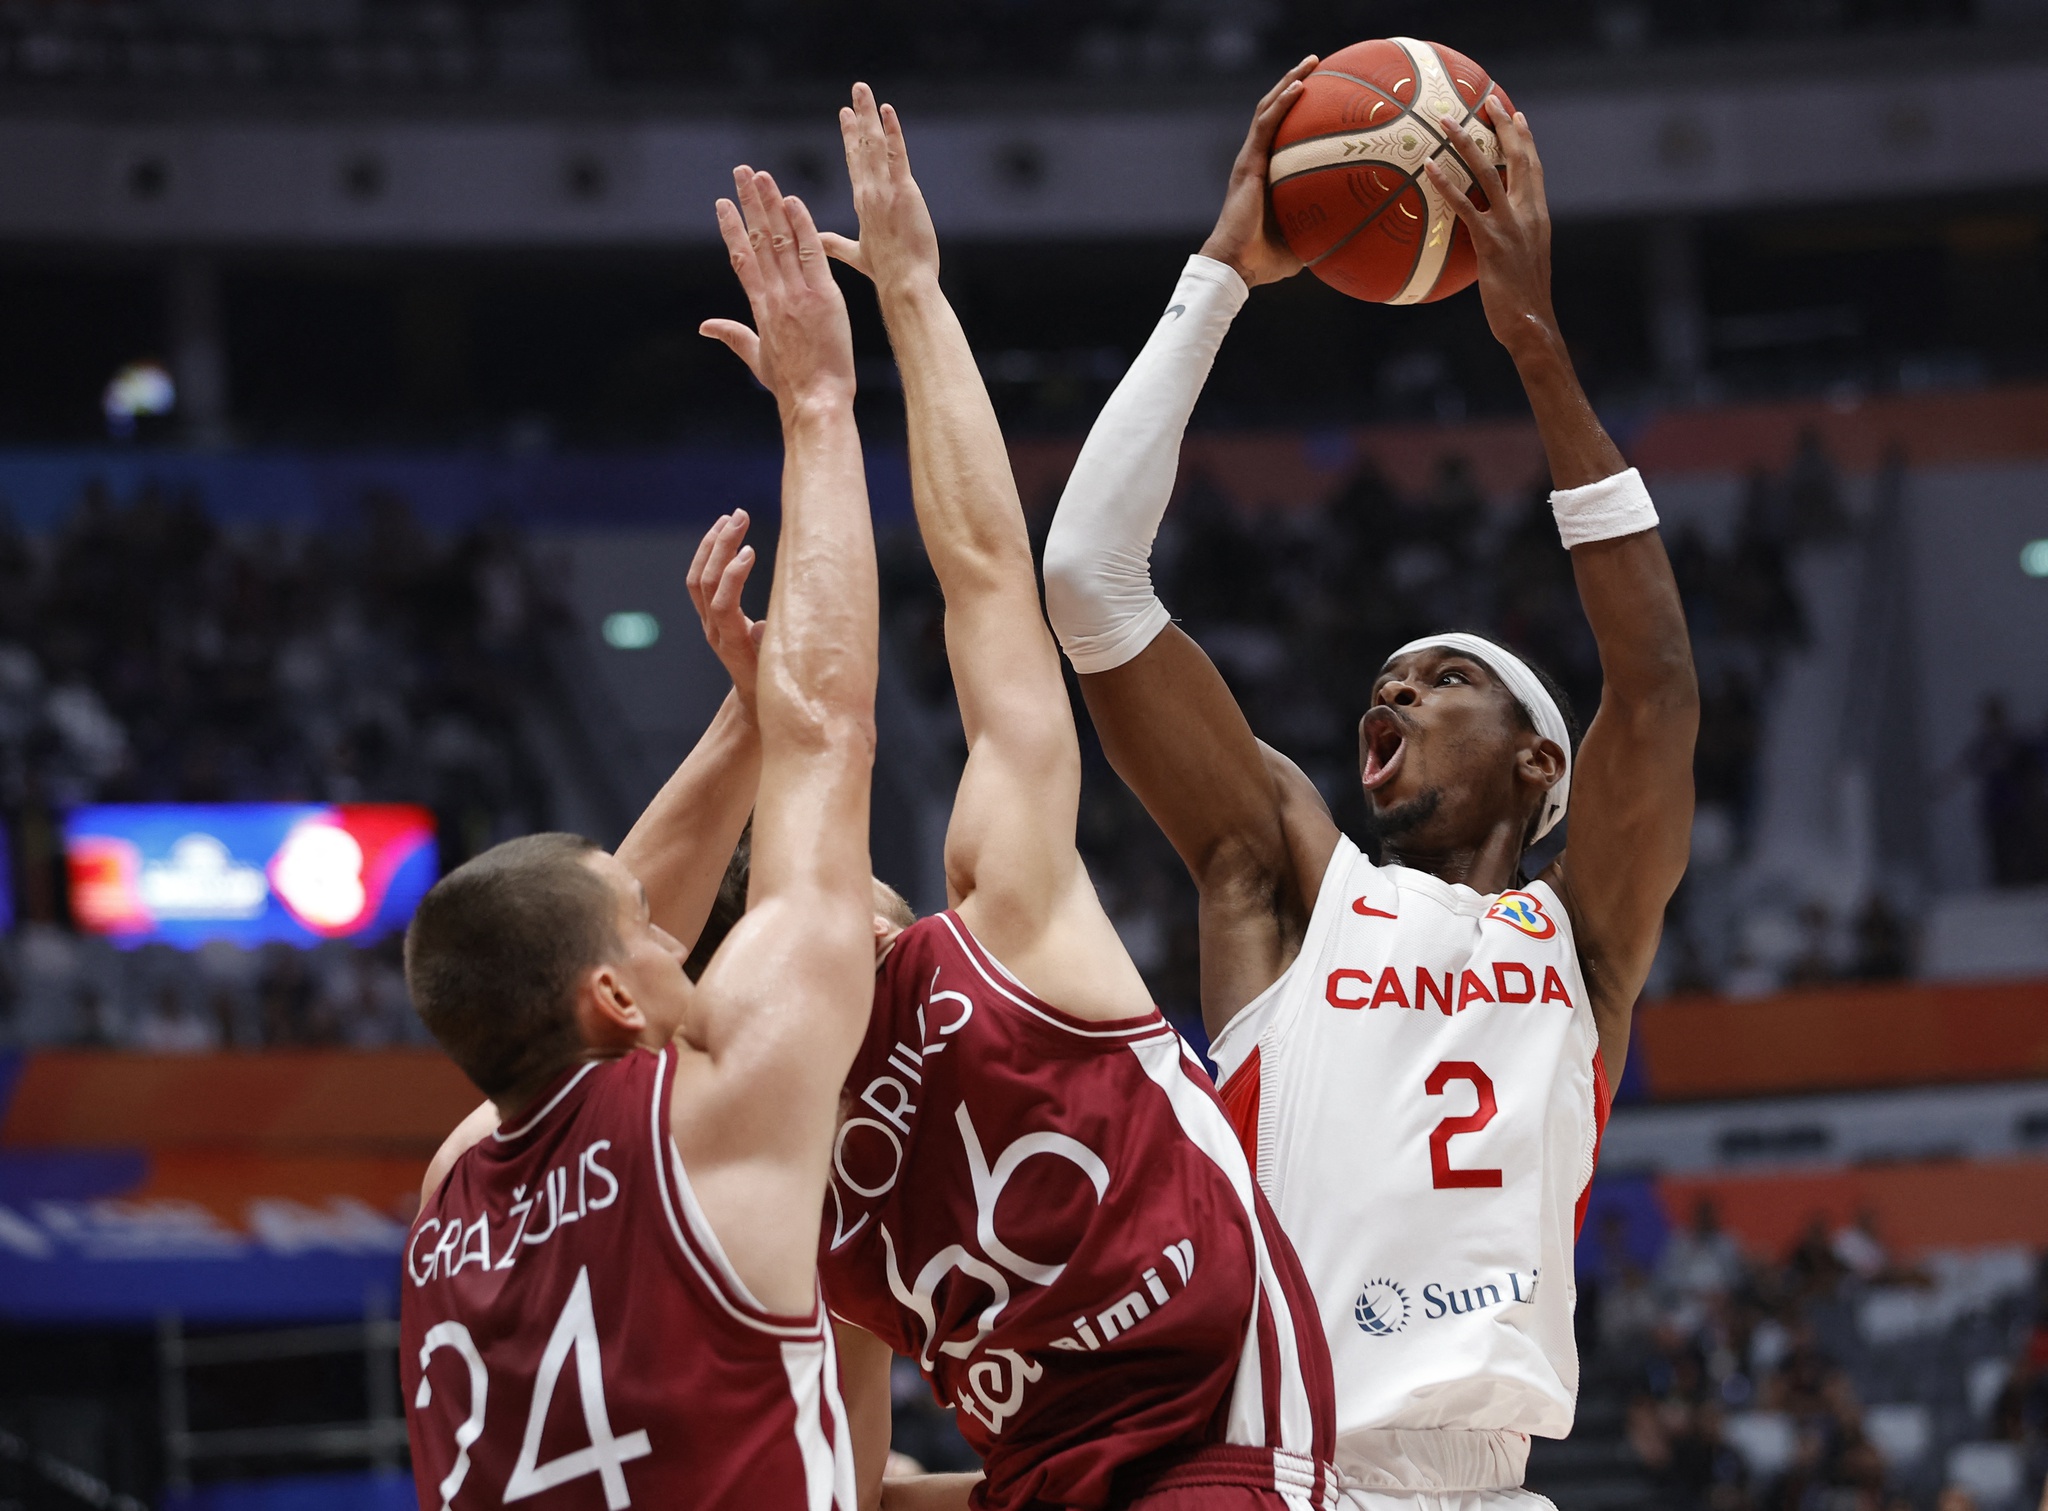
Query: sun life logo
(1381,1308)
(1520,910)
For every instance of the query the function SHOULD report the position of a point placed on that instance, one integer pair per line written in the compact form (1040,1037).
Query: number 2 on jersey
(575,1331)
(1442,1175)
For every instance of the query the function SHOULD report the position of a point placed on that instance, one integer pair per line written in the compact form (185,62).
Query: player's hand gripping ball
(1346,171)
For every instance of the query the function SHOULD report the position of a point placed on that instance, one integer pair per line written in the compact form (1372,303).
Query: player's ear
(606,1011)
(1540,763)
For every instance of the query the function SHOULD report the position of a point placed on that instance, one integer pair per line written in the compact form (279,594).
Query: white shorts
(1436,1470)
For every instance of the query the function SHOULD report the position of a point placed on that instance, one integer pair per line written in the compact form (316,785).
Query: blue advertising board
(248,873)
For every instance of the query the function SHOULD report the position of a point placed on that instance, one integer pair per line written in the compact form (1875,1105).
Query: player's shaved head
(494,953)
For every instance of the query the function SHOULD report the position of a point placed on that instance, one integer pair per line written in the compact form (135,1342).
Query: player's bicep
(1631,832)
(783,1005)
(1012,825)
(1174,733)
(864,1362)
(1013,817)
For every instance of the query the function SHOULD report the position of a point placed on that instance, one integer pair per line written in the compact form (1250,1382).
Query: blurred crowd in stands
(443,44)
(147,655)
(1831,1376)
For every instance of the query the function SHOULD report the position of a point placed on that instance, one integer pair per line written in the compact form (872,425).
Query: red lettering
(1469,987)
(1553,987)
(1426,987)
(1340,976)
(1442,1175)
(1389,989)
(1500,981)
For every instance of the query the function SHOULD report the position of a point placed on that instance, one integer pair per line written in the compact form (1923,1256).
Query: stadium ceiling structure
(399,174)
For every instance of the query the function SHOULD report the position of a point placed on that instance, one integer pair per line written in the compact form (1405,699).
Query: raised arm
(678,847)
(1631,809)
(1011,863)
(1249,828)
(780,1010)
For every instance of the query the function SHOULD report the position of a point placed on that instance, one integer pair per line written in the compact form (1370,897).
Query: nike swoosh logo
(1176,310)
(1363,911)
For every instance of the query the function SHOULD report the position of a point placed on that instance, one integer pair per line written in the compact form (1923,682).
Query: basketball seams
(1432,204)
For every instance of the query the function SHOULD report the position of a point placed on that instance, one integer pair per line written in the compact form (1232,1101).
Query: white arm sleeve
(1098,556)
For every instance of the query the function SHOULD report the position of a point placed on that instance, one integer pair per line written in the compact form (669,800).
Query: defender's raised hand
(801,347)
(897,244)
(718,574)
(1246,236)
(1511,233)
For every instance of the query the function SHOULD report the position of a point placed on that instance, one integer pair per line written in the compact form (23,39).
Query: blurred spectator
(1815,962)
(2012,796)
(1703,1260)
(1884,945)
(172,1025)
(1863,1254)
(1813,1262)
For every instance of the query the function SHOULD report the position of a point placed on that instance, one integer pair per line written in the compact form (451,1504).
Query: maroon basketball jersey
(572,1332)
(1054,1219)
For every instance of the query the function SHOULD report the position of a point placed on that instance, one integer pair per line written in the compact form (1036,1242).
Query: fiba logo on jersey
(1381,1308)
(1521,911)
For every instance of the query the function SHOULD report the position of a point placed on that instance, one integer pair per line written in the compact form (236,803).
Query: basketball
(1346,173)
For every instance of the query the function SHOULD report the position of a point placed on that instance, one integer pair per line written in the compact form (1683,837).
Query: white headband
(1531,694)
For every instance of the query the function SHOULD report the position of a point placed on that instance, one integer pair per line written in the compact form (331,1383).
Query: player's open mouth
(1384,744)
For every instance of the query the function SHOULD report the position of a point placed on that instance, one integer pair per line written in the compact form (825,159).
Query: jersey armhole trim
(695,1237)
(1268,1016)
(1005,983)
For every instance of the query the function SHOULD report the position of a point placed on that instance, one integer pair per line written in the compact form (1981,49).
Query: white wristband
(1614,506)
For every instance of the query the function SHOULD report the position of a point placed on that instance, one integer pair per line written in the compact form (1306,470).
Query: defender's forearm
(818,653)
(679,846)
(929,1492)
(965,496)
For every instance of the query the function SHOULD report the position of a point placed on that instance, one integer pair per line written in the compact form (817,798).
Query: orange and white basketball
(1348,187)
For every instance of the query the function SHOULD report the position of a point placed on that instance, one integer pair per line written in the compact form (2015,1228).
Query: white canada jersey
(1421,1095)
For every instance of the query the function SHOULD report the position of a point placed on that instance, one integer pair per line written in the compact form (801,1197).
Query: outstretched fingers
(767,226)
(740,340)
(1484,176)
(845,249)
(1517,146)
(1286,85)
(730,582)
(739,246)
(714,554)
(695,580)
(893,144)
(860,130)
(1271,111)
(808,247)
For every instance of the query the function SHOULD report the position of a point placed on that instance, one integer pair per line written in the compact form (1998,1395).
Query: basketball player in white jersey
(1417,1052)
